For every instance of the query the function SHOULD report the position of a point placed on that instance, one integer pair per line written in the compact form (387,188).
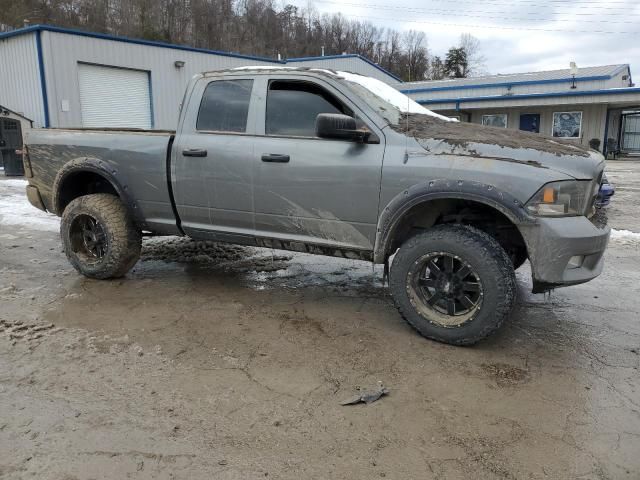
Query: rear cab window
(225,106)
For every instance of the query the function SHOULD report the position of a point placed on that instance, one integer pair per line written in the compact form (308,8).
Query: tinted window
(292,108)
(225,105)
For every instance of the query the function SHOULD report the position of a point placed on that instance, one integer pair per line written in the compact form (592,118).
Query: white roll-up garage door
(114,97)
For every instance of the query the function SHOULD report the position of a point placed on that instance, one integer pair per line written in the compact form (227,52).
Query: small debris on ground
(367,396)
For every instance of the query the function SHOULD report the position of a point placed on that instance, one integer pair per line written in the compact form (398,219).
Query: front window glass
(292,107)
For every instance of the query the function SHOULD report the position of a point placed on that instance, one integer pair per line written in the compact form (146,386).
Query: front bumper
(553,242)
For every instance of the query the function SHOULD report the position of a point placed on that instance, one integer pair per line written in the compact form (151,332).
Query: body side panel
(135,162)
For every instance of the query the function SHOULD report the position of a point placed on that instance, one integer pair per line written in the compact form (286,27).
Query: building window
(498,120)
(567,124)
(225,106)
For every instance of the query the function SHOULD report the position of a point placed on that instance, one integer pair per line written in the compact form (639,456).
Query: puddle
(261,268)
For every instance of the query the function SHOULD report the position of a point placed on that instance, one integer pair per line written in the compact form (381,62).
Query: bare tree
(476,61)
(436,69)
(416,53)
(259,27)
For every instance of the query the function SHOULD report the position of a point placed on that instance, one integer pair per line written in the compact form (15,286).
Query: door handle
(275,158)
(194,152)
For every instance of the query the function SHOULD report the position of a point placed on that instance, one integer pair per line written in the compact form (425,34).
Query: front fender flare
(398,207)
(102,168)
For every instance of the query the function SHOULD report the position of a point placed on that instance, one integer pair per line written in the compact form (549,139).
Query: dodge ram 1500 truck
(333,163)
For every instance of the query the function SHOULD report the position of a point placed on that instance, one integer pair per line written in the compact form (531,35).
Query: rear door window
(225,106)
(292,107)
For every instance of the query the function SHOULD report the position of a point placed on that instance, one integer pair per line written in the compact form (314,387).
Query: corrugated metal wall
(62,52)
(19,77)
(347,64)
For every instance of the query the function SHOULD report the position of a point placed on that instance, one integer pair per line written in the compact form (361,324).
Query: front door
(530,122)
(631,133)
(309,189)
(212,160)
(11,146)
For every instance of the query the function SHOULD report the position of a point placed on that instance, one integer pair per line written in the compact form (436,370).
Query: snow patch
(390,95)
(16,211)
(625,237)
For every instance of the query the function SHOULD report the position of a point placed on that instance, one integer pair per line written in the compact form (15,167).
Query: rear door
(212,159)
(310,189)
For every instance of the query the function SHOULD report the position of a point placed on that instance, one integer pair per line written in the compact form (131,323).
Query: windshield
(388,101)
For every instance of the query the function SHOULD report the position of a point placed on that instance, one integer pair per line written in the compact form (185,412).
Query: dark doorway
(530,122)
(11,147)
(631,132)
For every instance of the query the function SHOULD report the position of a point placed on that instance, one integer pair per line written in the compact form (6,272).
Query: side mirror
(339,127)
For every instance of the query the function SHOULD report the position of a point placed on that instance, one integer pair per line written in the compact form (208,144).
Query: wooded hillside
(256,27)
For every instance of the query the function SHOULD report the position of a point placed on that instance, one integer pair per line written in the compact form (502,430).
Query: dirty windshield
(388,101)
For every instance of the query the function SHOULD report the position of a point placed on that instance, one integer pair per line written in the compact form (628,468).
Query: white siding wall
(20,78)
(347,64)
(62,52)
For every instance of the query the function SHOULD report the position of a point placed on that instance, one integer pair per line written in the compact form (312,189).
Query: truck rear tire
(99,236)
(454,284)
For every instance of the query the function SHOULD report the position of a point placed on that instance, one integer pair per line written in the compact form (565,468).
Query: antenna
(406,132)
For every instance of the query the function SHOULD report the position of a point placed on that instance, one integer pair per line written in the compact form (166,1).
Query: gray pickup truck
(333,163)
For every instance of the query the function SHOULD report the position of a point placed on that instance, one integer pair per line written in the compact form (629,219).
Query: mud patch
(18,331)
(462,134)
(506,375)
(186,250)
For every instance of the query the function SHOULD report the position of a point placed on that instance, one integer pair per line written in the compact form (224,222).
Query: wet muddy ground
(212,361)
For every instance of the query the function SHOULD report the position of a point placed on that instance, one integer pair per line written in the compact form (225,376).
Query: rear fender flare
(399,206)
(102,168)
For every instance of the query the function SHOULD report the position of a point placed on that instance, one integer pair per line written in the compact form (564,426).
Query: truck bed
(135,159)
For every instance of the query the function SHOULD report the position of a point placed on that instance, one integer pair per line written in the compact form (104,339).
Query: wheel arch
(437,193)
(84,176)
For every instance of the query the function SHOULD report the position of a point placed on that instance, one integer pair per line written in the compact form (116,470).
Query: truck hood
(438,137)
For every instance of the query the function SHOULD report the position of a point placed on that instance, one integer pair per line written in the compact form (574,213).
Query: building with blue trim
(61,77)
(593,104)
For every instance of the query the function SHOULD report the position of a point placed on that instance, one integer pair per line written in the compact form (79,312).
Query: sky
(515,35)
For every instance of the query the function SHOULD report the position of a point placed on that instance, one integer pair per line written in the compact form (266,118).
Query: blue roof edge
(516,83)
(524,96)
(137,41)
(349,55)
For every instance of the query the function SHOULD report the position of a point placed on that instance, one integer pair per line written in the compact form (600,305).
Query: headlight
(561,199)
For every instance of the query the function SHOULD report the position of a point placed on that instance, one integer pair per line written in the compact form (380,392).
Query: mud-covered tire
(122,239)
(490,264)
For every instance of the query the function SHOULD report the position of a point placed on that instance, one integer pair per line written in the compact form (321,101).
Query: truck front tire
(99,236)
(453,283)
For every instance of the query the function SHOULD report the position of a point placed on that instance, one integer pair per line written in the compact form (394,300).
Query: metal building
(69,78)
(585,105)
(346,63)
